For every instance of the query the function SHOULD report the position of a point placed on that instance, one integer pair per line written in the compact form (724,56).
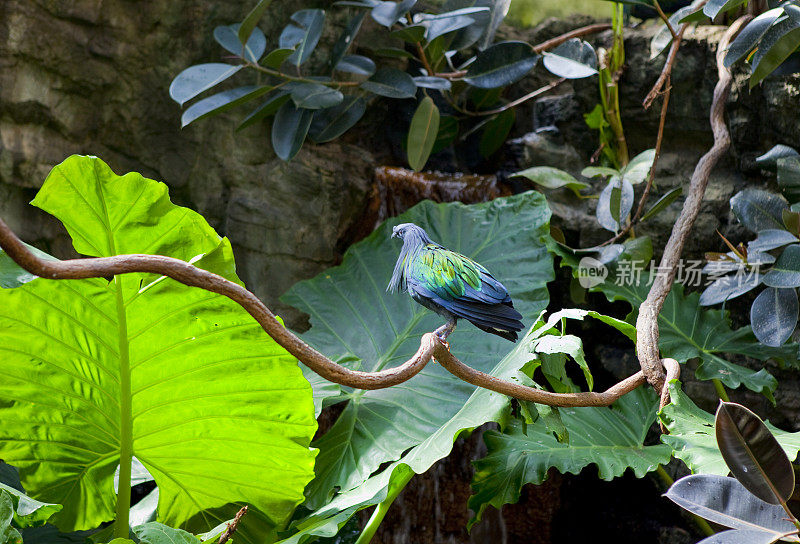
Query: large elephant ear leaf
(181,378)
(358,324)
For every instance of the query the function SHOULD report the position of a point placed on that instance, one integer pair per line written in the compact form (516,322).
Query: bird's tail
(500,319)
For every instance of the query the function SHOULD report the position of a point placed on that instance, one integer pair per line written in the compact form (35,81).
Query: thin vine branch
(187,274)
(647,322)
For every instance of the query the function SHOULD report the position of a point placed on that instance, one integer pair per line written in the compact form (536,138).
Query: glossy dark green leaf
(769,160)
(448,130)
(786,271)
(662,203)
(345,41)
(749,36)
(501,64)
(228,37)
(252,19)
(430,82)
(789,177)
(289,130)
(28,512)
(440,27)
(741,536)
(727,502)
(573,59)
(422,133)
(758,210)
(552,178)
(314,96)
(392,83)
(663,37)
(715,7)
(495,132)
(221,102)
(773,315)
(388,13)
(393,53)
(302,34)
(196,79)
(752,454)
(275,58)
(410,34)
(770,239)
(694,17)
(781,40)
(331,123)
(605,214)
(356,64)
(8,534)
(498,13)
(731,286)
(270,107)
(12,275)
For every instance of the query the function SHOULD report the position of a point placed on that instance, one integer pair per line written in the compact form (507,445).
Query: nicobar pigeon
(452,285)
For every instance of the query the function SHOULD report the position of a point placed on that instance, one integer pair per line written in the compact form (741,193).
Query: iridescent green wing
(446,273)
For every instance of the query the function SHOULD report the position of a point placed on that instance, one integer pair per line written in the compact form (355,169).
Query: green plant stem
(380,511)
(721,393)
(300,79)
(125,425)
(611,87)
(702,524)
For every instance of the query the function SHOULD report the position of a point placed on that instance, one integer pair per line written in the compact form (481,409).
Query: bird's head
(401,230)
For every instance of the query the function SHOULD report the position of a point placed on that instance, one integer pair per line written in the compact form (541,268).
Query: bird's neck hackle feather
(414,240)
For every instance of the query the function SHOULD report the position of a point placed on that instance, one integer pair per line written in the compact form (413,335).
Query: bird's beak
(394,234)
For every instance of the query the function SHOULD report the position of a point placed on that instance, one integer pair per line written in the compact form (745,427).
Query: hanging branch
(647,322)
(430,346)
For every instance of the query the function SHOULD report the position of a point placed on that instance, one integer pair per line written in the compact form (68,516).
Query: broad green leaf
(422,133)
(252,19)
(610,437)
(158,533)
(302,34)
(599,171)
(758,210)
(715,7)
(196,79)
(786,271)
(270,107)
(770,239)
(11,275)
(773,315)
(355,322)
(749,36)
(356,64)
(692,436)
(221,102)
(392,52)
(28,512)
(8,534)
(725,501)
(276,58)
(392,83)
(781,40)
(662,203)
(481,407)
(501,64)
(228,37)
(346,38)
(752,453)
(388,13)
(448,131)
(315,96)
(410,34)
(573,59)
(560,345)
(445,25)
(289,130)
(331,123)
(638,169)
(217,410)
(688,331)
(495,132)
(552,178)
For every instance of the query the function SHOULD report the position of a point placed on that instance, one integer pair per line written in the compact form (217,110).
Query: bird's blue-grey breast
(451,284)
